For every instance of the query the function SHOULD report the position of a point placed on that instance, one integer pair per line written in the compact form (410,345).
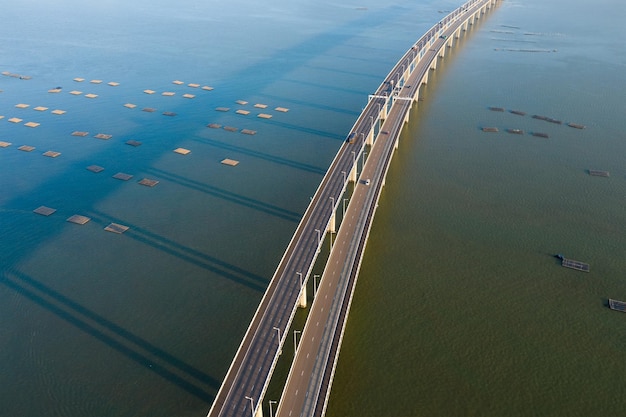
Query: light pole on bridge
(319,239)
(278,330)
(295,343)
(315,277)
(271,410)
(344,209)
(251,404)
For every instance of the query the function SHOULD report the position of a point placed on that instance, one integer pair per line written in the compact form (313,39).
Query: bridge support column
(442,52)
(433,65)
(369,140)
(302,298)
(353,174)
(417,95)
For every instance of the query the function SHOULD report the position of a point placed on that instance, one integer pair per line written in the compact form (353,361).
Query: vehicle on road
(351,137)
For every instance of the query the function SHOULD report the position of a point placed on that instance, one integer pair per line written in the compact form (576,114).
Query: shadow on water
(262,155)
(187,254)
(227,195)
(139,350)
(169,367)
(304,103)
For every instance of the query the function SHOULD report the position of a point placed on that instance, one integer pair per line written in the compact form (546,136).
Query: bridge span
(379,126)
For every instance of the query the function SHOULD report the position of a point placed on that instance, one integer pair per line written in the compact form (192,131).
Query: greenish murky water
(461,308)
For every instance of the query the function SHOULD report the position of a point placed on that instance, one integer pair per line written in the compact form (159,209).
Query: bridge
(379,126)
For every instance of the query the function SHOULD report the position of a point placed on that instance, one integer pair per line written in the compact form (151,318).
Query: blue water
(147,322)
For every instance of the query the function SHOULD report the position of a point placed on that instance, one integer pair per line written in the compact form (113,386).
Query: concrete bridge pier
(442,52)
(332,227)
(353,174)
(416,96)
(383,112)
(433,65)
(302,297)
(369,140)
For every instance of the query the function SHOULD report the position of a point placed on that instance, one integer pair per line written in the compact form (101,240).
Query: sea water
(147,322)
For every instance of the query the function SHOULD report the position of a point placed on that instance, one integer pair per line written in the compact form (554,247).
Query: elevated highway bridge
(379,126)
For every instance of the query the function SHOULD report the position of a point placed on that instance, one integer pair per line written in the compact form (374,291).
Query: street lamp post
(344,176)
(319,239)
(344,209)
(271,410)
(278,330)
(252,404)
(315,277)
(364,153)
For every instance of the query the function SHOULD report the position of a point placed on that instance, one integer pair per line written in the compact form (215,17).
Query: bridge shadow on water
(227,195)
(31,235)
(209,263)
(263,155)
(144,353)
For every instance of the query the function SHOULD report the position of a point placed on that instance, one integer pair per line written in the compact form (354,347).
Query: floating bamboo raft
(596,173)
(44,211)
(617,305)
(78,219)
(572,264)
(116,228)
